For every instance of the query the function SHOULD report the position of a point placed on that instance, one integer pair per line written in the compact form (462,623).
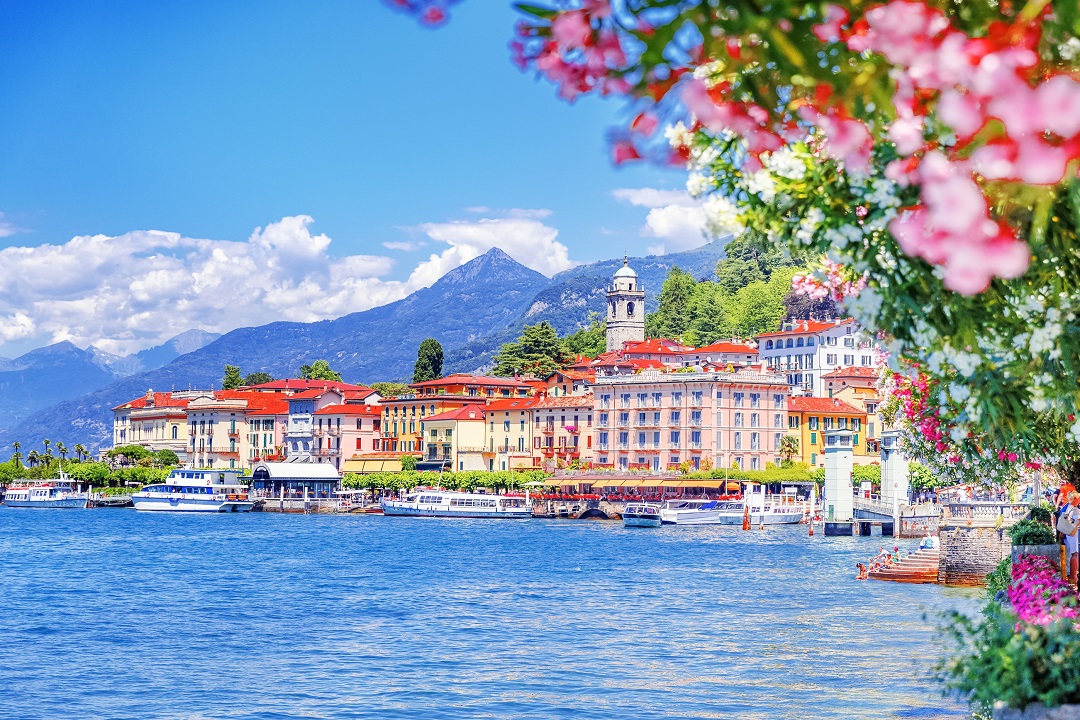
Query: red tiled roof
(655,346)
(806,327)
(466,379)
(862,372)
(277,407)
(724,347)
(161,399)
(822,405)
(565,401)
(256,401)
(507,404)
(314,393)
(358,395)
(469,412)
(349,409)
(643,364)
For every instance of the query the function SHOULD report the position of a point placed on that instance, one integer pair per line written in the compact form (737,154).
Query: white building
(807,349)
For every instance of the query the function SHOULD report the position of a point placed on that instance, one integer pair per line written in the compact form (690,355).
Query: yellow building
(456,437)
(809,417)
(509,433)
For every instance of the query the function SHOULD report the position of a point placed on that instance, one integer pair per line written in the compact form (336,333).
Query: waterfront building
(510,433)
(294,480)
(157,421)
(857,386)
(810,418)
(568,382)
(662,350)
(562,430)
(657,421)
(217,430)
(300,434)
(267,420)
(456,438)
(807,349)
(402,415)
(721,354)
(342,430)
(626,309)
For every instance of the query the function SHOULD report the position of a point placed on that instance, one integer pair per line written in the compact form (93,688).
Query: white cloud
(405,245)
(521,235)
(134,290)
(674,217)
(129,292)
(6,228)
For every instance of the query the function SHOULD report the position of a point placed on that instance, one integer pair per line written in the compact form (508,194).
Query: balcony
(604,447)
(548,430)
(547,451)
(234,433)
(333,432)
(572,429)
(624,446)
(624,422)
(694,422)
(675,422)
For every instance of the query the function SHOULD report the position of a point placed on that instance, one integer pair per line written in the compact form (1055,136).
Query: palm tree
(17,456)
(47,442)
(789,447)
(32,458)
(80,451)
(62,449)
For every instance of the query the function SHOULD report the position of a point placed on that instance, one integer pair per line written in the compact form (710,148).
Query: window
(738,442)
(870,430)
(738,399)
(866,361)
(813,458)
(841,423)
(778,420)
(174,431)
(676,417)
(739,419)
(624,400)
(813,423)
(849,341)
(755,441)
(799,343)
(849,360)
(755,399)
(830,359)
(789,343)
(829,423)
(753,463)
(768,344)
(793,422)
(830,341)
(676,399)
(776,441)
(755,420)
(777,401)
(676,437)
(810,341)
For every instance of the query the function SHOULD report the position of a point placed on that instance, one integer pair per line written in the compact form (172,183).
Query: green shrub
(1031,532)
(1041,513)
(999,579)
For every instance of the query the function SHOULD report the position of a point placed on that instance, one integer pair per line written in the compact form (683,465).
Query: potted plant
(1020,660)
(1033,537)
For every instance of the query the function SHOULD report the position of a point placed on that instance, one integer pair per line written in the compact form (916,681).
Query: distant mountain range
(44,377)
(471,310)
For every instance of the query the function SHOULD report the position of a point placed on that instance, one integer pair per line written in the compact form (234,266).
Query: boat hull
(391,509)
(768,518)
(57,503)
(692,517)
(192,505)
(641,521)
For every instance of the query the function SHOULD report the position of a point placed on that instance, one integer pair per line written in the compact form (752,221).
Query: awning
(609,482)
(668,483)
(702,483)
(372,465)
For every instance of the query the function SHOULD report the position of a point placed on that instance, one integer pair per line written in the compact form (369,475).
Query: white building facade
(805,350)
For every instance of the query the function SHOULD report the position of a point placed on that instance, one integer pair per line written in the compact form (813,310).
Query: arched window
(629,309)
(799,342)
(175,429)
(612,308)
(789,343)
(768,344)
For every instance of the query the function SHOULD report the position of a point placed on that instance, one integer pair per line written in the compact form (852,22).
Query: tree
(46,442)
(16,457)
(32,458)
(788,449)
(755,310)
(590,340)
(408,462)
(390,389)
(735,274)
(80,451)
(132,453)
(798,306)
(257,378)
(429,361)
(538,351)
(62,450)
(319,370)
(710,318)
(232,379)
(672,318)
(166,457)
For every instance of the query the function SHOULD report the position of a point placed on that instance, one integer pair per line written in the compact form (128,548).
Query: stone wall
(917,526)
(970,551)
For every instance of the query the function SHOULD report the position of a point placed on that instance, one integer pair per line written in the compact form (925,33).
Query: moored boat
(188,490)
(446,503)
(61,492)
(696,511)
(641,515)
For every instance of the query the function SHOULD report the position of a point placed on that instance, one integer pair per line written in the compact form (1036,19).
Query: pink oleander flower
(1038,594)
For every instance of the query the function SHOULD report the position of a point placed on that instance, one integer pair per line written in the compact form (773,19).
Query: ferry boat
(782,509)
(445,503)
(641,515)
(60,492)
(187,490)
(694,511)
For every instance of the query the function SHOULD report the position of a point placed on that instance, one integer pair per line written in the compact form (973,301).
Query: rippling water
(119,614)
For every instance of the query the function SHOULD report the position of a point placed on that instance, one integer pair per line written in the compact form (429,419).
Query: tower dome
(625,271)
(626,308)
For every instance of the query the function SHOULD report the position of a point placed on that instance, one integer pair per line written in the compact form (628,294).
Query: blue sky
(409,149)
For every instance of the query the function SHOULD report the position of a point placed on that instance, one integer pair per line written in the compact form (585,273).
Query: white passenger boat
(187,490)
(445,503)
(695,511)
(783,509)
(61,492)
(641,515)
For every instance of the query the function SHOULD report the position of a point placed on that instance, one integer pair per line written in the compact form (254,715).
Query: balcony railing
(548,430)
(675,422)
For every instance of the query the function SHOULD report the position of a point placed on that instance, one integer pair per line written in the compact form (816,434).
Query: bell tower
(626,308)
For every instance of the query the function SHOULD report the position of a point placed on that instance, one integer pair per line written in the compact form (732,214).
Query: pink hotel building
(656,420)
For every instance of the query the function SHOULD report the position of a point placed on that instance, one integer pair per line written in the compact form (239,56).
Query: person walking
(1072,549)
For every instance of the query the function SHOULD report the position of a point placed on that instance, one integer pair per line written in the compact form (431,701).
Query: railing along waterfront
(984,511)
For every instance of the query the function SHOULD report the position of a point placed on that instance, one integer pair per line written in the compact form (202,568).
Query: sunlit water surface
(119,614)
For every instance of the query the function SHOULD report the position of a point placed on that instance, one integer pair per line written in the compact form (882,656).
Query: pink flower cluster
(429,12)
(1038,594)
(974,81)
(835,285)
(578,51)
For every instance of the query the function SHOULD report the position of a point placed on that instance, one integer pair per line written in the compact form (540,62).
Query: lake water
(119,614)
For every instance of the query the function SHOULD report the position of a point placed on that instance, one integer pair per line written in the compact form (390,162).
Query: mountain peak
(494,261)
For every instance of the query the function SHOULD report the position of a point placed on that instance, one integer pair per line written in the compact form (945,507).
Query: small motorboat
(641,515)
